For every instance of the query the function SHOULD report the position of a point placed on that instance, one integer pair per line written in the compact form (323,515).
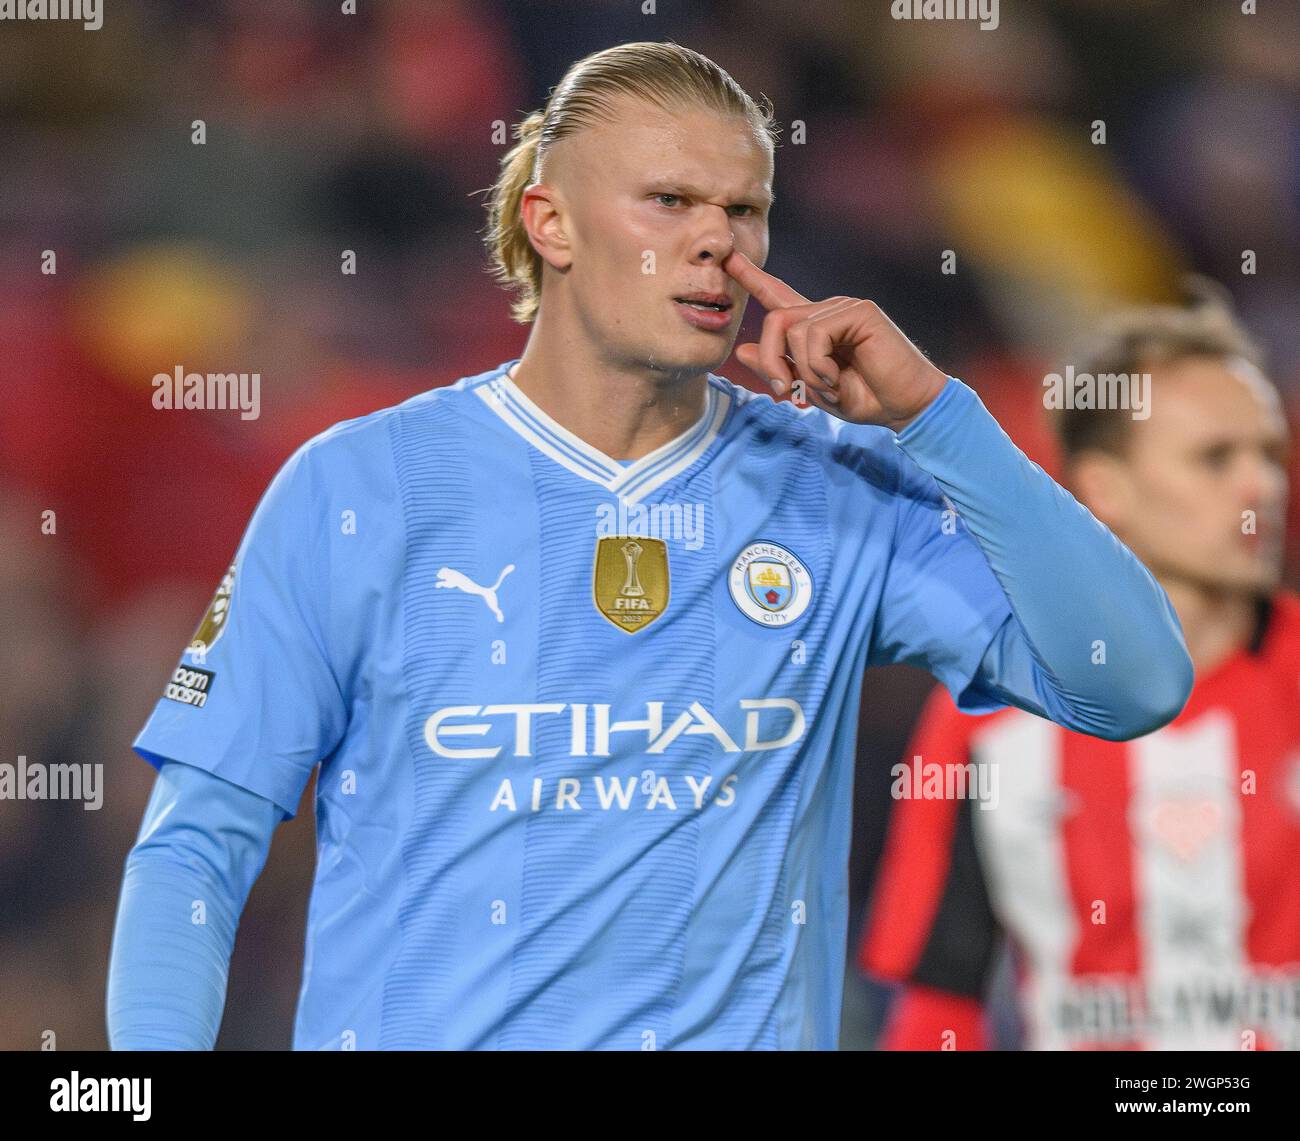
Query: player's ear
(1104,484)
(543,212)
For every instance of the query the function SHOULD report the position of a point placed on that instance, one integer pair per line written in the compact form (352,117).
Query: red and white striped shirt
(1150,888)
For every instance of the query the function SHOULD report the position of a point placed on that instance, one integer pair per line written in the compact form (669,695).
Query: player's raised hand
(854,361)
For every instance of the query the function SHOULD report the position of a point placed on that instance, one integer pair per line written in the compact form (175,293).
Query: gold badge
(214,621)
(630,580)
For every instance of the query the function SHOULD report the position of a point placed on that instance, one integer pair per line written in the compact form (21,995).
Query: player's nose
(1264,481)
(714,240)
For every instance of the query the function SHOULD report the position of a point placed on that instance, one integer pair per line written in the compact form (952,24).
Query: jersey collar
(631,483)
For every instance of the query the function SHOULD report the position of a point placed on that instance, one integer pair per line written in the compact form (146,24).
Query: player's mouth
(710,311)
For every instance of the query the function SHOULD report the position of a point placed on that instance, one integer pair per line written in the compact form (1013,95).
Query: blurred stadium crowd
(373,133)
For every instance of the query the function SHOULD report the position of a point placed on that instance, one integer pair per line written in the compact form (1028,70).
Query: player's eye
(739,210)
(1217,457)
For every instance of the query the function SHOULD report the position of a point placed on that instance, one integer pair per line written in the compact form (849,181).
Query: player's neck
(624,412)
(1216,623)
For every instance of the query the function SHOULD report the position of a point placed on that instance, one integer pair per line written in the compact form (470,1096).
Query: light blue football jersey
(586,728)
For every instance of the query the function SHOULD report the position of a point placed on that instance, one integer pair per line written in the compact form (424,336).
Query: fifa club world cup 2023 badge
(769,584)
(630,580)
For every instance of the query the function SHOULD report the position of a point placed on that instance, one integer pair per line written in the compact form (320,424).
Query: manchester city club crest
(769,584)
(630,580)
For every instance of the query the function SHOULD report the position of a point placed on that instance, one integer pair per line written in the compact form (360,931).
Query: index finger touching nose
(769,291)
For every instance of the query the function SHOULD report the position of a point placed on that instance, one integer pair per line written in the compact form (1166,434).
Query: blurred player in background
(1148,888)
(578,641)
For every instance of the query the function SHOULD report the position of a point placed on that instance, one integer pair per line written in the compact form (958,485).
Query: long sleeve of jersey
(1093,642)
(202,844)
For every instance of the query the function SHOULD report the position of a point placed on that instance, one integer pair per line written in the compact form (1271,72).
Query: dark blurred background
(374,133)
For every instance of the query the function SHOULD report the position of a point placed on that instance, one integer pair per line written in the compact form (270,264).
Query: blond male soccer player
(581,673)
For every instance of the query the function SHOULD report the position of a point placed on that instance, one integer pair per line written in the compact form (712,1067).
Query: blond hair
(666,75)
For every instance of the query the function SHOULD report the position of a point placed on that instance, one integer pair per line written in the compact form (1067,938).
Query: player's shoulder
(759,421)
(370,434)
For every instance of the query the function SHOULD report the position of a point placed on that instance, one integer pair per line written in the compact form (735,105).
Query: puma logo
(449,579)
